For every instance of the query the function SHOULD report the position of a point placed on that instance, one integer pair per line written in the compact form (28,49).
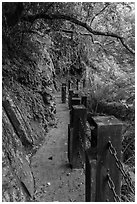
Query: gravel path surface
(54,179)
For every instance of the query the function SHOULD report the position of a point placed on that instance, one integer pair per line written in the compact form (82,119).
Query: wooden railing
(94,143)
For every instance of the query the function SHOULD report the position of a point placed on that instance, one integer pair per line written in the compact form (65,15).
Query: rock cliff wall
(28,110)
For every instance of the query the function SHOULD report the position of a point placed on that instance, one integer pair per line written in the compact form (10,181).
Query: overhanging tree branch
(32,18)
(68,32)
(107,4)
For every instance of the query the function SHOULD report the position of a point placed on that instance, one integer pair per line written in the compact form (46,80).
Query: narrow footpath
(54,179)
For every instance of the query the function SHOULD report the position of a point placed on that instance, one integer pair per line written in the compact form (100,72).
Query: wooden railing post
(101,162)
(70,134)
(84,100)
(90,176)
(84,83)
(69,85)
(75,101)
(63,93)
(79,111)
(91,160)
(108,129)
(70,98)
(77,84)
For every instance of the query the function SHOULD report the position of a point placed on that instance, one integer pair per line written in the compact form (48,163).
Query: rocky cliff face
(28,109)
(18,184)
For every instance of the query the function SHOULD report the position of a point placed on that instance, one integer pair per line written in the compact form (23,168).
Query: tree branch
(126,46)
(107,4)
(32,18)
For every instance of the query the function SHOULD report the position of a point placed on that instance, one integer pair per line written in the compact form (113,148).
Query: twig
(107,4)
(129,159)
(128,145)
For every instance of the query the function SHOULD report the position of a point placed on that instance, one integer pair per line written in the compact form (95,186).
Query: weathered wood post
(84,83)
(75,101)
(70,133)
(63,93)
(79,111)
(90,176)
(91,157)
(69,85)
(109,129)
(84,100)
(77,84)
(70,97)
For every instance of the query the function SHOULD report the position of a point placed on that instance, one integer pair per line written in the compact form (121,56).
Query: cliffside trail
(54,179)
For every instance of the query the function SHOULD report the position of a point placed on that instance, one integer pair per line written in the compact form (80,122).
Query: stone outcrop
(22,135)
(18,183)
(28,109)
(20,127)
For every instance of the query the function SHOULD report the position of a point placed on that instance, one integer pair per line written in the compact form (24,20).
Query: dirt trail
(54,179)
